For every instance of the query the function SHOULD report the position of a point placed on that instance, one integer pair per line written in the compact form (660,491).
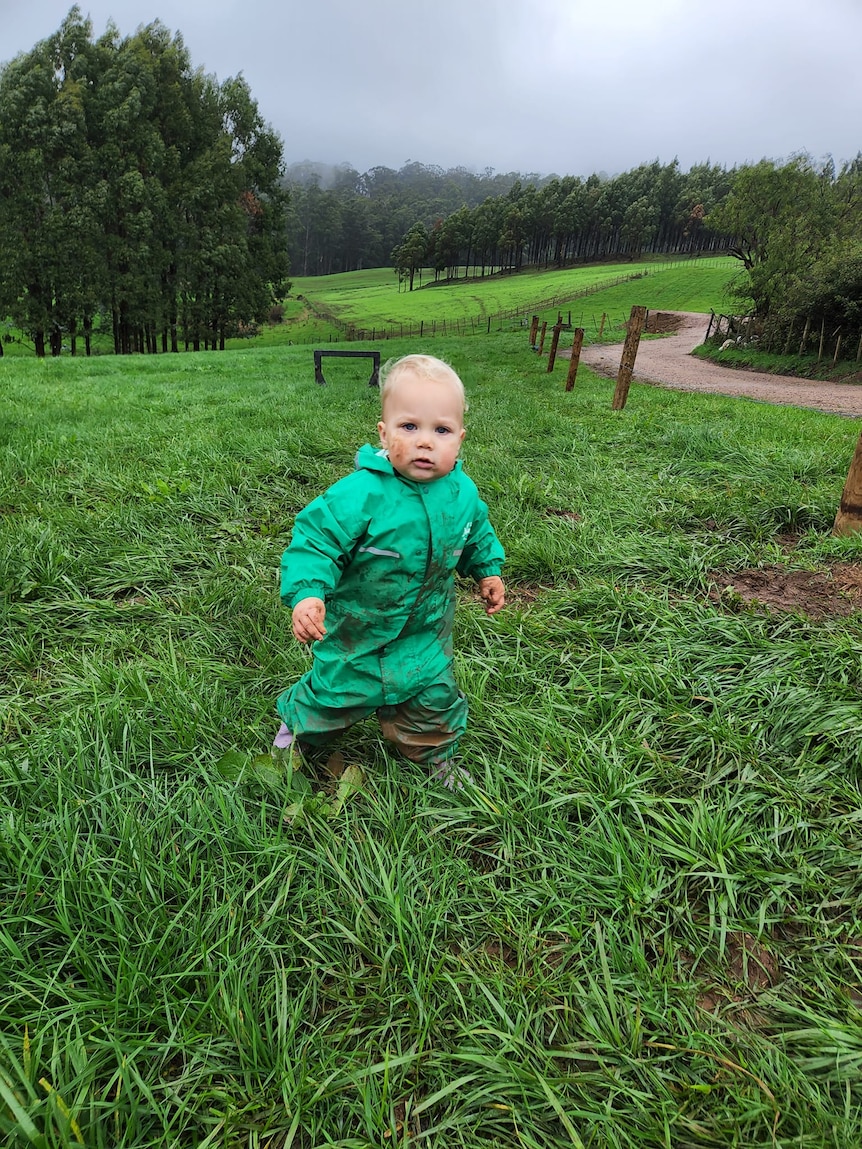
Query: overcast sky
(565,86)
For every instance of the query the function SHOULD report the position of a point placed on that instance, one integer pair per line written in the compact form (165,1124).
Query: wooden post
(577,344)
(602,328)
(627,361)
(804,338)
(837,350)
(534,330)
(848,520)
(822,337)
(542,336)
(859,350)
(558,327)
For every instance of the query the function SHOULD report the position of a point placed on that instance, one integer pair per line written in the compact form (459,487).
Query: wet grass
(641,928)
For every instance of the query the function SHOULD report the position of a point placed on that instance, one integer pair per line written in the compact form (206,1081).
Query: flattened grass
(640,928)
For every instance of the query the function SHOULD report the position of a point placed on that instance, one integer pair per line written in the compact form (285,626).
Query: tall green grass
(640,928)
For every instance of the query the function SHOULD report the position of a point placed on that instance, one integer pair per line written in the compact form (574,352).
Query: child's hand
(493,592)
(308,616)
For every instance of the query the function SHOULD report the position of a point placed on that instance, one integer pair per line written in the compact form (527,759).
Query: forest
(142,197)
(137,194)
(457,222)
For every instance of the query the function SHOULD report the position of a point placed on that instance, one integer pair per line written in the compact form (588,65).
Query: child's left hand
(493,593)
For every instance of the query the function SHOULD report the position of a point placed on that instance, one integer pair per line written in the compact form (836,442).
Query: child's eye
(408,426)
(443,430)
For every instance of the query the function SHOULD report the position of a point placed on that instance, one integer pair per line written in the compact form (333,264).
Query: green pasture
(373,302)
(640,928)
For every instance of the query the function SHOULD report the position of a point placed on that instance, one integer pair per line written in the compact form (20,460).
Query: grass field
(641,928)
(319,307)
(372,300)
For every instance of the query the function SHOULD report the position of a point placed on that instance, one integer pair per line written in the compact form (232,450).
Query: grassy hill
(320,309)
(372,300)
(640,928)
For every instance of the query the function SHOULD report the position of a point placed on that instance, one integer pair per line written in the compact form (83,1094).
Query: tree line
(455,222)
(795,226)
(135,191)
(140,196)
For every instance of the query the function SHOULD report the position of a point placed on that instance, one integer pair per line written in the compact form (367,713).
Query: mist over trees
(142,197)
(343,220)
(794,226)
(136,192)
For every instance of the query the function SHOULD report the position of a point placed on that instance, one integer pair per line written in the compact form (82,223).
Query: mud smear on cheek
(399,451)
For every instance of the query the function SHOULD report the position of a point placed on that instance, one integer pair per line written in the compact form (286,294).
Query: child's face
(422,427)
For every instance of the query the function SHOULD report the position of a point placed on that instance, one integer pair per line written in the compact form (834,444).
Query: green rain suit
(381,551)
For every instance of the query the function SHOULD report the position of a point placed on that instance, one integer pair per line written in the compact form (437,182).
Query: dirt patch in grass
(746,970)
(831,592)
(563,513)
(662,322)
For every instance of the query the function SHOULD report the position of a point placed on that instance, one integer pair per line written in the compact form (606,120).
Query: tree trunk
(39,343)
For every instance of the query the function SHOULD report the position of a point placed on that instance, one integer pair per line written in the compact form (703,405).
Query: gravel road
(668,362)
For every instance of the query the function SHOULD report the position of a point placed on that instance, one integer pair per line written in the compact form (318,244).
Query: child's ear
(381,431)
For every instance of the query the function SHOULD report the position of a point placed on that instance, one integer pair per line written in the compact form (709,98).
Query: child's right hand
(308,616)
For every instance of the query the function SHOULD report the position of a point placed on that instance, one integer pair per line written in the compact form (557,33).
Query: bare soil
(828,592)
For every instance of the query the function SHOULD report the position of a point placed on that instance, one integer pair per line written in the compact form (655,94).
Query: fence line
(776,337)
(482,324)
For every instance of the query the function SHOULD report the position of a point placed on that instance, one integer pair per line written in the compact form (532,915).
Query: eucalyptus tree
(47,227)
(410,255)
(133,185)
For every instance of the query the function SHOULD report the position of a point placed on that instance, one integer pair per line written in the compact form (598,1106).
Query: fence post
(558,327)
(577,344)
(534,331)
(542,336)
(627,362)
(848,520)
(804,338)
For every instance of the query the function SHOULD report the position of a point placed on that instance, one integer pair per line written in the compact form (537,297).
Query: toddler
(369,577)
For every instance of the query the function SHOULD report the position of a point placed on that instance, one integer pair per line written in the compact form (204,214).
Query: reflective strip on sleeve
(382,553)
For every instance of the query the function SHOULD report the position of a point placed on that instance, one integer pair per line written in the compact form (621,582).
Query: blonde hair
(425,367)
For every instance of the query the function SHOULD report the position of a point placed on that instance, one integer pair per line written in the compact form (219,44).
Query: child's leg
(311,723)
(426,728)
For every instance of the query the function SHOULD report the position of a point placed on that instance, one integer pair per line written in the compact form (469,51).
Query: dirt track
(668,362)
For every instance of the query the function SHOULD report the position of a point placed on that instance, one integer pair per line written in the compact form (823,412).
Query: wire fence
(484,324)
